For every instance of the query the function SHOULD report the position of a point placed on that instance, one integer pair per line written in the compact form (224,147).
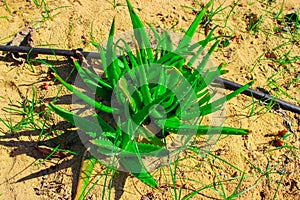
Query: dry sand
(70,28)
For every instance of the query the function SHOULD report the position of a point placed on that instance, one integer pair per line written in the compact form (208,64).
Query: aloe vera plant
(152,91)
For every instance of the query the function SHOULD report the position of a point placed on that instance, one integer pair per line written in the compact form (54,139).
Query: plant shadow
(69,141)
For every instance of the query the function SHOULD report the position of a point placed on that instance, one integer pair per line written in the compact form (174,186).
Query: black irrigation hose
(259,95)
(227,84)
(45,51)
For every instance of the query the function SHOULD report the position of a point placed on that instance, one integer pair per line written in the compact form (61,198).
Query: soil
(269,170)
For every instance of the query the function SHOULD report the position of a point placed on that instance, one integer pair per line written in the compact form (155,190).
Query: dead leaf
(22,38)
(47,151)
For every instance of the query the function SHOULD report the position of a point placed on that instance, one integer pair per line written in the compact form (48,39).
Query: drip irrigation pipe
(259,95)
(45,51)
(227,84)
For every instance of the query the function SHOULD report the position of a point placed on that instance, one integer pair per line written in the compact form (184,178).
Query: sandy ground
(269,171)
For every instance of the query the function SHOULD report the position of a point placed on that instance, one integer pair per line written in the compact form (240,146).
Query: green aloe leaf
(87,74)
(216,105)
(150,136)
(104,125)
(104,92)
(191,31)
(133,72)
(174,125)
(141,115)
(82,123)
(106,147)
(112,70)
(140,33)
(169,58)
(122,84)
(201,46)
(156,34)
(143,148)
(136,167)
(204,61)
(86,98)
